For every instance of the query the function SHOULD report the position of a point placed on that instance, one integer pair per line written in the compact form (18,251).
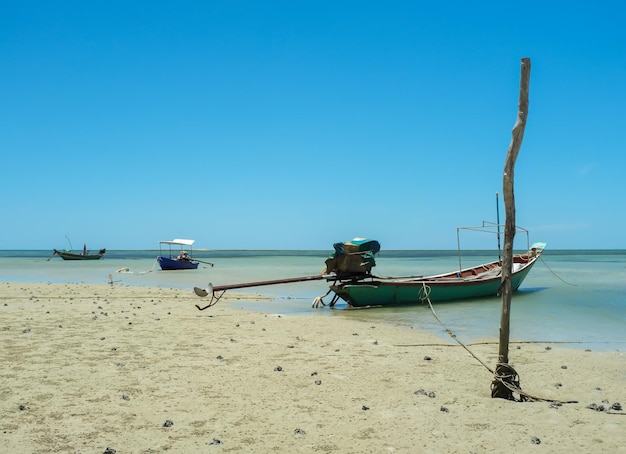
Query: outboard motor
(353,258)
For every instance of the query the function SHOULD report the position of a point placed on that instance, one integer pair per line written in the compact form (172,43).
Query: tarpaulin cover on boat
(353,257)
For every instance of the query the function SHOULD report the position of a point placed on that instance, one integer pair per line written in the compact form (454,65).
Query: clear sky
(298,124)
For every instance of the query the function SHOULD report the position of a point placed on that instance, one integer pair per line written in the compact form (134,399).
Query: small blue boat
(183,261)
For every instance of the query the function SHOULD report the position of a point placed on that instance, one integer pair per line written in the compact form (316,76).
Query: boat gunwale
(448,278)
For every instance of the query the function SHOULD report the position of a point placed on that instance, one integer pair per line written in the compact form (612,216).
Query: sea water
(573,297)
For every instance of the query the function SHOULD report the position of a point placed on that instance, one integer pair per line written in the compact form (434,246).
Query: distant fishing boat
(85,255)
(182,261)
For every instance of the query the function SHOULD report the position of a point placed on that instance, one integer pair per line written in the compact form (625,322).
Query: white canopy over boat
(179,242)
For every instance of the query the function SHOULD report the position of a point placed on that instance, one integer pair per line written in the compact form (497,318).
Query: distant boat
(85,255)
(183,261)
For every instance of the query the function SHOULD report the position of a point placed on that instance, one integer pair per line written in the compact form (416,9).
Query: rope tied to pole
(506,379)
(425,290)
(506,382)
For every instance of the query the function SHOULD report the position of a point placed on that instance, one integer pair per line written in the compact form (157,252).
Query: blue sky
(297,124)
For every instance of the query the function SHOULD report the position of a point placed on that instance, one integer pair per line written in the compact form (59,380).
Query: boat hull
(168,264)
(454,286)
(73,256)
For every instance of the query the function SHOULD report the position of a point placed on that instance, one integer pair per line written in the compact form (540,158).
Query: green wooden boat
(349,272)
(478,281)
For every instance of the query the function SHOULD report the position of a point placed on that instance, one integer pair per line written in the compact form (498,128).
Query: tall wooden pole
(509,227)
(498,224)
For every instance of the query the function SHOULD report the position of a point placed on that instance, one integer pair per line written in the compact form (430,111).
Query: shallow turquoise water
(569,296)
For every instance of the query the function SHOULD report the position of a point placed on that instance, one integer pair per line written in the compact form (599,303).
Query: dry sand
(109,368)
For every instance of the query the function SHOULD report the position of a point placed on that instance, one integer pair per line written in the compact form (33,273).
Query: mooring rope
(507,376)
(556,275)
(425,296)
(504,374)
(126,270)
(151,269)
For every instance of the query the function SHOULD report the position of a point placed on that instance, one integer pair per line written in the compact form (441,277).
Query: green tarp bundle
(353,257)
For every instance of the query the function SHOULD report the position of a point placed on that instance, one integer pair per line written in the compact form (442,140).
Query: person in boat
(183,256)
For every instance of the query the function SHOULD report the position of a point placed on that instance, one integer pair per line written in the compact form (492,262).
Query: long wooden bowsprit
(211,290)
(352,260)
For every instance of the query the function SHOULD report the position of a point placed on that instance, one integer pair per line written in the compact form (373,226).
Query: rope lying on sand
(126,270)
(504,373)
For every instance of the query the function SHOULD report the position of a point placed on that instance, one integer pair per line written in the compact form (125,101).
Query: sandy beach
(120,369)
